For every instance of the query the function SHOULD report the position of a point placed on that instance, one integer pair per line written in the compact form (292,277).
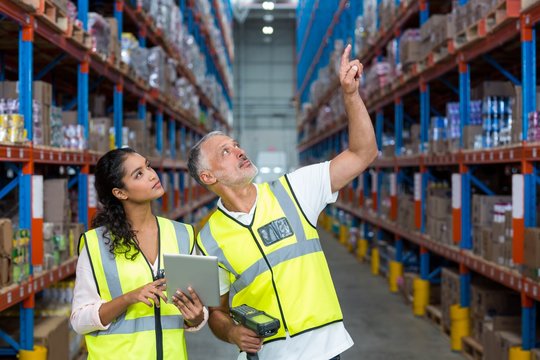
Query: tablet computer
(199,272)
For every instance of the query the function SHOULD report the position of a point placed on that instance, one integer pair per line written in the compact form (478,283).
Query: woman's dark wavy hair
(109,173)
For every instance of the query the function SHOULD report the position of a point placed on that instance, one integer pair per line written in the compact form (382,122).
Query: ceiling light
(268,17)
(265,170)
(277,170)
(268,30)
(268,5)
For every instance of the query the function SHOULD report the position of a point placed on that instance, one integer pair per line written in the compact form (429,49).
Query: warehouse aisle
(380,323)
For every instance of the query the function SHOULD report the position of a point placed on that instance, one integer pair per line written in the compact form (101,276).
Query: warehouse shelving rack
(33,26)
(517,29)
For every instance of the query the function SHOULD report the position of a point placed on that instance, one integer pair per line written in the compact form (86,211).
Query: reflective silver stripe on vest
(274,258)
(182,236)
(213,248)
(109,265)
(289,209)
(300,248)
(123,327)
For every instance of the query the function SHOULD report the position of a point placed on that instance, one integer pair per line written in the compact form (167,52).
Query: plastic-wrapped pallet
(100,29)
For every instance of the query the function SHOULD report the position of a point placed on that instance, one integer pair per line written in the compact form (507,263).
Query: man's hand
(245,339)
(350,73)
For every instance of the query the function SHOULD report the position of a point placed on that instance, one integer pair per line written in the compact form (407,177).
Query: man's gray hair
(195,160)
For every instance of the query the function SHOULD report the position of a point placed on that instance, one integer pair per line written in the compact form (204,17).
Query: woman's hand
(148,293)
(192,309)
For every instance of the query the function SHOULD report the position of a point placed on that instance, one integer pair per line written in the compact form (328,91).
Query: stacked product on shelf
(171,78)
(492,228)
(438,207)
(464,48)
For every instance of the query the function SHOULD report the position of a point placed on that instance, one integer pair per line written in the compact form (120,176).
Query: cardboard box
(508,323)
(5,270)
(55,200)
(439,207)
(469,134)
(493,88)
(42,92)
(505,341)
(482,208)
(450,26)
(431,27)
(114,47)
(138,136)
(70,117)
(491,300)
(53,333)
(450,293)
(98,105)
(6,237)
(477,327)
(409,52)
(99,134)
(532,247)
(533,273)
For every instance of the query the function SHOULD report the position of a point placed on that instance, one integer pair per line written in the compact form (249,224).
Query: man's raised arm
(362,143)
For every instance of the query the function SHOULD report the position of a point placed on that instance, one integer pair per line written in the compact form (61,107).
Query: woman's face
(141,183)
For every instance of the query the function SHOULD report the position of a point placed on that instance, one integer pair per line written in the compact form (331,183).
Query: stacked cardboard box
(432,34)
(409,48)
(138,135)
(470,134)
(517,113)
(53,333)
(450,293)
(412,143)
(531,260)
(99,134)
(492,228)
(56,206)
(114,44)
(405,214)
(498,336)
(6,249)
(438,210)
(490,301)
(407,286)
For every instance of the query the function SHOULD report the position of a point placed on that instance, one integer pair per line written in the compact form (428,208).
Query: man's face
(227,162)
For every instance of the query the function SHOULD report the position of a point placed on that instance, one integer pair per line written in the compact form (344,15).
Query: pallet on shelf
(472,349)
(527,4)
(29,5)
(53,16)
(471,34)
(441,52)
(78,36)
(504,11)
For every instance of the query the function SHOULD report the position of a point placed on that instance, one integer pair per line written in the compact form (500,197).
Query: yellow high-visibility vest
(276,264)
(142,332)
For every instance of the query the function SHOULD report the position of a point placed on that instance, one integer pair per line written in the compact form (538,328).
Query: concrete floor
(380,323)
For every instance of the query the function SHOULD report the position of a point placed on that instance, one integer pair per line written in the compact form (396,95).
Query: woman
(119,297)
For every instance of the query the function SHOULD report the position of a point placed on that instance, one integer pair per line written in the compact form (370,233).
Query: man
(265,238)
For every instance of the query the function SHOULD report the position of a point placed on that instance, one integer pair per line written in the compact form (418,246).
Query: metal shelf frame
(524,154)
(23,158)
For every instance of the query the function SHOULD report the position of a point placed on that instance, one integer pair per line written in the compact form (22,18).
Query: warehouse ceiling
(259,9)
